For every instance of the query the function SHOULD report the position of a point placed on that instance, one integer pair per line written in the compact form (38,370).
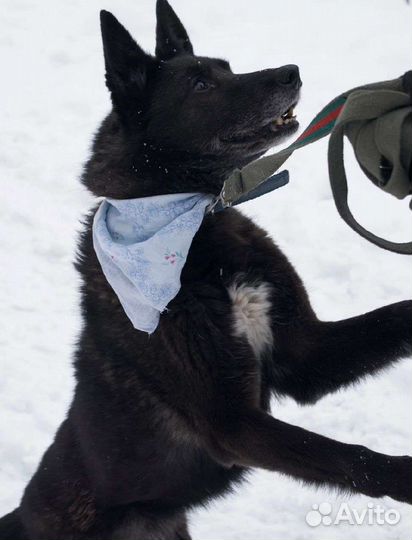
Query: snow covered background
(52,97)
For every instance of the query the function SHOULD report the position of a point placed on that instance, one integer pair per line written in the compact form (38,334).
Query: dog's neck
(178,171)
(142,169)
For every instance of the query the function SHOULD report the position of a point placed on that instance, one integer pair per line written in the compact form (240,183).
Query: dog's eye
(202,86)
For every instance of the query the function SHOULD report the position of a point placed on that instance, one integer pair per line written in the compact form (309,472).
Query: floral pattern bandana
(142,245)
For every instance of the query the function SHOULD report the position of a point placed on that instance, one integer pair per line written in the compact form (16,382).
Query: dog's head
(182,122)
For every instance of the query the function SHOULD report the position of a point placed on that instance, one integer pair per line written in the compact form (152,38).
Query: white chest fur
(251,313)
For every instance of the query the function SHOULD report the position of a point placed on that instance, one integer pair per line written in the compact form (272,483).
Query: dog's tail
(11,527)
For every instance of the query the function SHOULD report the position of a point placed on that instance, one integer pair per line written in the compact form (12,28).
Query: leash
(257,178)
(377,119)
(256,174)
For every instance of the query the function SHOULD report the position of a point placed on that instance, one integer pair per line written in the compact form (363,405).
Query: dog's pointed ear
(126,63)
(171,36)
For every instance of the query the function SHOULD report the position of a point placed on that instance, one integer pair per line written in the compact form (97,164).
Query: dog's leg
(322,357)
(259,440)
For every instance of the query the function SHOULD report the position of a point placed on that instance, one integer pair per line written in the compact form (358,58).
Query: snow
(52,98)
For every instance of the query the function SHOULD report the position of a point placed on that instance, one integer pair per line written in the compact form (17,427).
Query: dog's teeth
(286,118)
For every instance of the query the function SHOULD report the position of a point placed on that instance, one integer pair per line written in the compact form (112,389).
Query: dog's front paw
(406,312)
(379,475)
(391,476)
(400,325)
(400,479)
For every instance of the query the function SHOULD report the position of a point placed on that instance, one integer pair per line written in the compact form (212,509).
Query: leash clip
(218,203)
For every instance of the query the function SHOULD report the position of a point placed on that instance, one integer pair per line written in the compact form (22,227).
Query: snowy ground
(52,97)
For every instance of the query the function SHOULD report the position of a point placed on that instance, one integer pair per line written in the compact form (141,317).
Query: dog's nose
(289,76)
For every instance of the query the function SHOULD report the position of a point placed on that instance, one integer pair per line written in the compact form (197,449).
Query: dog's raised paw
(400,479)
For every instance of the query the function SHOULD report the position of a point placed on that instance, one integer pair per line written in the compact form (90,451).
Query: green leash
(377,119)
(246,179)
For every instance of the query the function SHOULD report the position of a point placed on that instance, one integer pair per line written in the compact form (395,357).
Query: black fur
(160,424)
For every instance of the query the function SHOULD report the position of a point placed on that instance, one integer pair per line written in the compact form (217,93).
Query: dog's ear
(126,63)
(171,36)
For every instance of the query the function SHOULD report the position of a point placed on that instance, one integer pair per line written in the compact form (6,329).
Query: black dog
(161,424)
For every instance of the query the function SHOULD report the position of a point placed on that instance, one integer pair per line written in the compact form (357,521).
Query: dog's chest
(251,308)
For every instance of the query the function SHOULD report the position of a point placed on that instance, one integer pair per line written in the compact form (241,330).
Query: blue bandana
(142,246)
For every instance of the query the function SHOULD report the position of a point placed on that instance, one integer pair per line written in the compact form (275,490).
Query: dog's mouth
(268,133)
(285,119)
